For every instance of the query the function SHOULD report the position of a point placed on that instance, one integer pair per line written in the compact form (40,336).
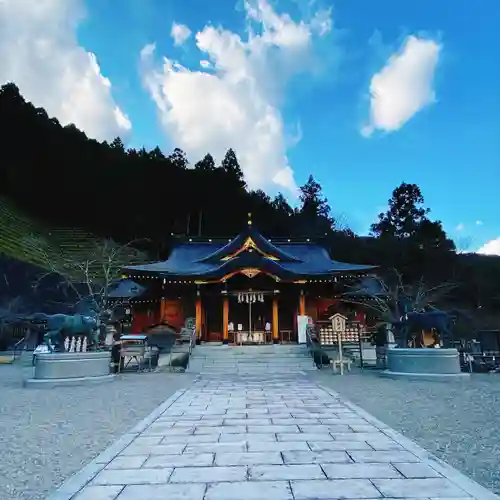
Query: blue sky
(437,126)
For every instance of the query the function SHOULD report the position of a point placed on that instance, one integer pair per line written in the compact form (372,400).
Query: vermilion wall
(144,318)
(173,313)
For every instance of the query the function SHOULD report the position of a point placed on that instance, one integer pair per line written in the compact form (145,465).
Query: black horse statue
(435,320)
(61,325)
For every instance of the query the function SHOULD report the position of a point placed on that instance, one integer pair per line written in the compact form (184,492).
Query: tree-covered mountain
(66,179)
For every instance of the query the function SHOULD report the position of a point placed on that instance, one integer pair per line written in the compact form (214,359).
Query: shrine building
(249,289)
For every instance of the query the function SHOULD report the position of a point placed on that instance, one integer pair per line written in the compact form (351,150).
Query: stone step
(250,360)
(256,359)
(250,368)
(259,371)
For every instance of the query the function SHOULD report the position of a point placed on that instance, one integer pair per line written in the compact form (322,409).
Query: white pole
(339,337)
(250,318)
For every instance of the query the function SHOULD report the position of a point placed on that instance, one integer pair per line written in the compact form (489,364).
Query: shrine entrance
(250,316)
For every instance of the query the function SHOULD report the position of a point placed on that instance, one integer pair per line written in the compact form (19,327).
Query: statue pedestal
(430,364)
(70,368)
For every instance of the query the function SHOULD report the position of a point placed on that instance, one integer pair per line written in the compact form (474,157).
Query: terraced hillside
(28,240)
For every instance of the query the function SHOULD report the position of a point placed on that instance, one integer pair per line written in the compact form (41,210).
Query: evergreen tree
(231,166)
(406,219)
(314,213)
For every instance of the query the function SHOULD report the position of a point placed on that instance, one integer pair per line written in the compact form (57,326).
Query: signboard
(338,323)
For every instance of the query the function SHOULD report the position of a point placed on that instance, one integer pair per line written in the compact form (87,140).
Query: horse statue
(434,320)
(64,324)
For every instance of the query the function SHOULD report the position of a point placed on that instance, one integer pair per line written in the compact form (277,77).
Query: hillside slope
(31,241)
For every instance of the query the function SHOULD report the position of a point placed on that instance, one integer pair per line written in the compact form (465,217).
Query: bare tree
(390,300)
(89,274)
(341,223)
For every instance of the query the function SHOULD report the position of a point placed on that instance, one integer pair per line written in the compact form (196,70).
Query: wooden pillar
(162,308)
(276,338)
(302,303)
(225,319)
(199,314)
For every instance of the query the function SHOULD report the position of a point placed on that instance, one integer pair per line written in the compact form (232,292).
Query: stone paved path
(265,439)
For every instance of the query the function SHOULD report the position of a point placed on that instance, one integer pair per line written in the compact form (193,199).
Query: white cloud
(479,223)
(492,247)
(180,33)
(403,86)
(205,64)
(39,52)
(235,104)
(460,227)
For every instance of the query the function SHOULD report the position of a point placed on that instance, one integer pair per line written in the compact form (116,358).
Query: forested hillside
(66,179)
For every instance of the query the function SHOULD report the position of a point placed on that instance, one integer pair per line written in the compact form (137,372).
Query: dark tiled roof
(204,260)
(126,289)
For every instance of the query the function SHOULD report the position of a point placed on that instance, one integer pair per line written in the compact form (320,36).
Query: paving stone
(185,418)
(247,421)
(168,449)
(333,489)
(273,429)
(450,498)
(186,460)
(216,447)
(146,441)
(339,445)
(281,414)
(417,471)
(201,423)
(384,444)
(128,462)
(277,446)
(383,456)
(172,413)
(99,493)
(159,430)
(360,471)
(164,492)
(305,437)
(285,472)
(198,438)
(343,420)
(247,411)
(418,488)
(248,458)
(363,428)
(250,438)
(295,421)
(321,429)
(258,490)
(208,474)
(132,476)
(315,457)
(229,429)
(359,436)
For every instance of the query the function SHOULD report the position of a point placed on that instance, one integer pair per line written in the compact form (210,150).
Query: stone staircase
(249,360)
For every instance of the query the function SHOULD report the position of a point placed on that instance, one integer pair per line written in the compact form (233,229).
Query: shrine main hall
(249,289)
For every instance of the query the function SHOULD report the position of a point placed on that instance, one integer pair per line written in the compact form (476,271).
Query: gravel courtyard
(47,435)
(459,422)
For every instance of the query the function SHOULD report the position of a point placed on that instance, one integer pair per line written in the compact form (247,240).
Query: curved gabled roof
(262,244)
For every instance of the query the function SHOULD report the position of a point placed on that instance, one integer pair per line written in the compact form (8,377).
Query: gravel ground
(46,435)
(459,421)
